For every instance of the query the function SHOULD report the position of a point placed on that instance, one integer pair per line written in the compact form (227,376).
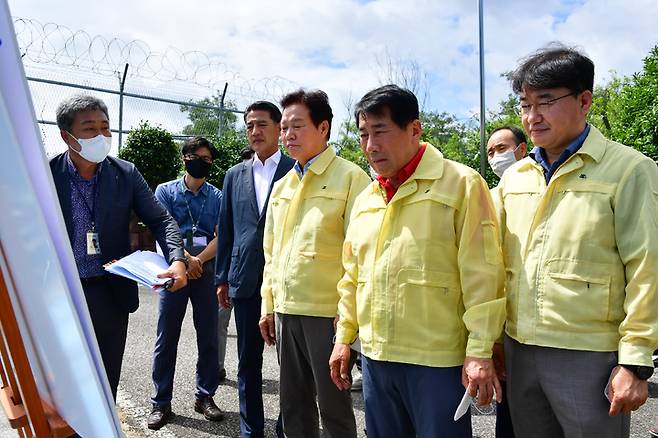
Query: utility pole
(221,112)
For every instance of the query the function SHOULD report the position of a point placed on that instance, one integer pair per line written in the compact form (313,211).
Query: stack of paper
(142,267)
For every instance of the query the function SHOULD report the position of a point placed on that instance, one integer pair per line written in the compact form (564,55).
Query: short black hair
(554,66)
(401,104)
(246,153)
(516,131)
(195,143)
(264,105)
(317,103)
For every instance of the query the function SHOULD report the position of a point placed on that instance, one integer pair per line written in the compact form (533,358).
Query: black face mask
(197,168)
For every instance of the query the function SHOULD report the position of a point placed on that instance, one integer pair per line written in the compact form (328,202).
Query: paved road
(135,388)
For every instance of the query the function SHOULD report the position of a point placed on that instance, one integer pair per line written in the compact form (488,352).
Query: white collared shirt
(263,176)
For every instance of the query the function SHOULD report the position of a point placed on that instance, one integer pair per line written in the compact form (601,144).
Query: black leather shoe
(209,409)
(159,416)
(222,375)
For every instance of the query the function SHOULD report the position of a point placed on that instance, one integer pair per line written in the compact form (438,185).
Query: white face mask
(94,149)
(500,162)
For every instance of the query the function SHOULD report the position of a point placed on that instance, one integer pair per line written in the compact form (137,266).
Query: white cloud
(334,45)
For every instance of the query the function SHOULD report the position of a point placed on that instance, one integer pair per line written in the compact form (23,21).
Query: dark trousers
(201,293)
(110,321)
(304,344)
(504,427)
(558,393)
(250,365)
(406,400)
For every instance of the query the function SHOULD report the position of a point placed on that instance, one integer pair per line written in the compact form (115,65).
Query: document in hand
(141,266)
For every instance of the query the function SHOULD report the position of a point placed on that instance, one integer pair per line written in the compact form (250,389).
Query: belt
(92,280)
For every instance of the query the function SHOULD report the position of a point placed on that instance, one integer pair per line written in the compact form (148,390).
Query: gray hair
(67,110)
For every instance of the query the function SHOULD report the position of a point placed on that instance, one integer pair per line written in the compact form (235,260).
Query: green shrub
(154,152)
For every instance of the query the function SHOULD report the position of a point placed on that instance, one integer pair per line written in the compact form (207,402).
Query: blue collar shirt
(83,203)
(175,196)
(539,154)
(301,171)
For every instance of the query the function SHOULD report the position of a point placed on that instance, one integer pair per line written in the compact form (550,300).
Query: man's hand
(266,325)
(499,361)
(479,378)
(195,269)
(339,366)
(177,272)
(626,392)
(222,296)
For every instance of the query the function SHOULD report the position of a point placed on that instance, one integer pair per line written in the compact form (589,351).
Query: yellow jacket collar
(324,160)
(594,146)
(431,164)
(430,167)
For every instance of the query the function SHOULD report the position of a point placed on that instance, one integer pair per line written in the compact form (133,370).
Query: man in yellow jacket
(423,282)
(307,216)
(580,242)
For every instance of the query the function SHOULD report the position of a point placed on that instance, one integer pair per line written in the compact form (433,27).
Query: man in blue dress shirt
(194,204)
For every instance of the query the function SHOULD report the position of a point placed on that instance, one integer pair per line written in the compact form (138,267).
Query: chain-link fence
(172,90)
(127,107)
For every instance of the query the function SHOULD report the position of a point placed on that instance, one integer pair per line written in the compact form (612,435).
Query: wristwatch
(641,372)
(181,259)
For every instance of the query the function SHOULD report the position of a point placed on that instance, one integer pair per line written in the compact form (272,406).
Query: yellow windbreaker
(581,253)
(423,279)
(304,232)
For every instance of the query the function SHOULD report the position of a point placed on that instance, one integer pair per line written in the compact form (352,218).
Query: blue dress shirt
(539,154)
(301,171)
(203,206)
(83,193)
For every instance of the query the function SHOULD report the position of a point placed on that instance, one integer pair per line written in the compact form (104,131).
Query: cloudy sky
(341,45)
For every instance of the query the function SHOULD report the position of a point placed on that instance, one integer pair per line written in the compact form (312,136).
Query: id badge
(93,247)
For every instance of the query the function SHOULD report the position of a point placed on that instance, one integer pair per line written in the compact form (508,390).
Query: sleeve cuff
(479,348)
(635,355)
(345,336)
(266,307)
(176,253)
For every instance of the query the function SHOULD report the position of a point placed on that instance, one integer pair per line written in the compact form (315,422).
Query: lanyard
(91,209)
(189,211)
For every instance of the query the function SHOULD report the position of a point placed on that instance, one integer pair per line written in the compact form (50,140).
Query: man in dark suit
(240,260)
(96,194)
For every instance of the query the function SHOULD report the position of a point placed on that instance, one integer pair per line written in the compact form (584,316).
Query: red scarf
(402,175)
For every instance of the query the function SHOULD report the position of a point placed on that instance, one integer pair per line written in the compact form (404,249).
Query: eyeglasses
(197,157)
(543,106)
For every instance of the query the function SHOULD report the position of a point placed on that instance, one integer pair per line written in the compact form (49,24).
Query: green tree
(349,147)
(457,141)
(229,146)
(605,108)
(154,152)
(440,128)
(205,121)
(635,109)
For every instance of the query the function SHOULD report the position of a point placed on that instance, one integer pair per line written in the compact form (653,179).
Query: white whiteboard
(45,289)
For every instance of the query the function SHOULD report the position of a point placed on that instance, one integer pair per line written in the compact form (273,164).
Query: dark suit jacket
(121,188)
(240,260)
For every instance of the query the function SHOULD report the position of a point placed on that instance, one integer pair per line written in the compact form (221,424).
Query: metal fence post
(221,112)
(483,116)
(121,85)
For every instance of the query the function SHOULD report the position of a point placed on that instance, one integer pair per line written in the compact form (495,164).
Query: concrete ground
(135,388)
